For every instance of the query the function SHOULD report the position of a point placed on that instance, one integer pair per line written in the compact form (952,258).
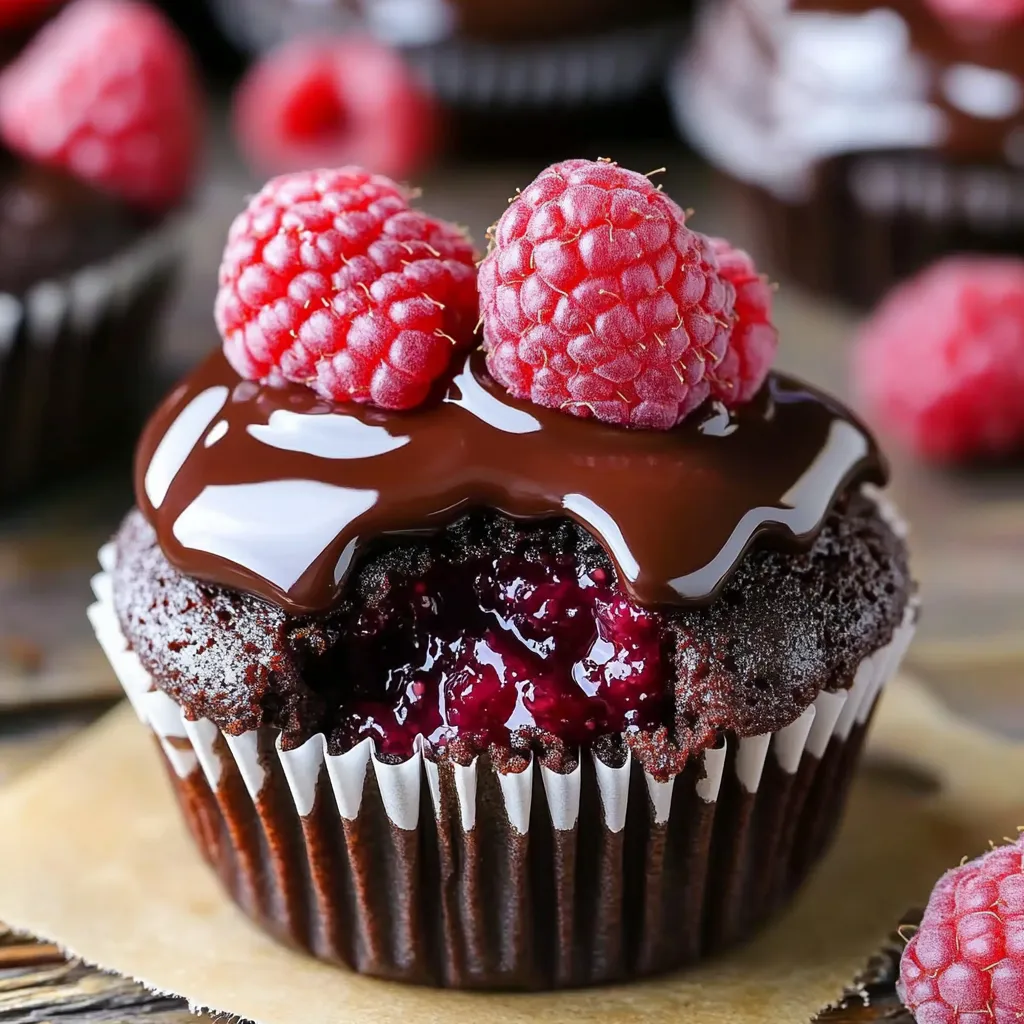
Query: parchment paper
(93,856)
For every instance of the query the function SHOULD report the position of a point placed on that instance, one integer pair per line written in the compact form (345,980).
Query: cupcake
(867,139)
(537,664)
(94,158)
(478,53)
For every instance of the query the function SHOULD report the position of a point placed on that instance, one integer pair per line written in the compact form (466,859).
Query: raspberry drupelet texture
(330,279)
(754,339)
(940,366)
(965,964)
(597,299)
(307,104)
(108,93)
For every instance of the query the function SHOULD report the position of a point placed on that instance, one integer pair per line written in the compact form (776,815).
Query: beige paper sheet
(92,855)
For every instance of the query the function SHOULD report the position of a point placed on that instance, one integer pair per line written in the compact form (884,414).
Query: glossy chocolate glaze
(270,490)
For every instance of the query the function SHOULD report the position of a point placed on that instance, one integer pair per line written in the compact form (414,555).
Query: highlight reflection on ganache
(270,490)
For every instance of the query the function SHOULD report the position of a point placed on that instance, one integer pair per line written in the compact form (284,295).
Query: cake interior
(515,637)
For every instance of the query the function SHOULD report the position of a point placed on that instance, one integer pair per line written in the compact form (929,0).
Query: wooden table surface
(968,534)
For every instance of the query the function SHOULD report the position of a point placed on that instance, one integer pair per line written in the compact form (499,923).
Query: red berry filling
(493,650)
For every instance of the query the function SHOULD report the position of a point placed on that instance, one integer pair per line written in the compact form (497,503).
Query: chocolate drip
(270,490)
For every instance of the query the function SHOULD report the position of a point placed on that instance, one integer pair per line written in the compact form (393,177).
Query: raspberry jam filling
(490,648)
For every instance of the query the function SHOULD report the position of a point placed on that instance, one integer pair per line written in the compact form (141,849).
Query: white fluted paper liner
(85,296)
(832,715)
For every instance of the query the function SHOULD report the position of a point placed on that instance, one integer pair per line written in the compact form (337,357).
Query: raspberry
(107,92)
(14,13)
(329,278)
(597,299)
(965,964)
(941,363)
(333,101)
(754,340)
(991,11)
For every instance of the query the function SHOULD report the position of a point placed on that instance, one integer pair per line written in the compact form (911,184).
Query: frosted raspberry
(940,365)
(107,92)
(329,278)
(754,340)
(597,299)
(333,101)
(965,964)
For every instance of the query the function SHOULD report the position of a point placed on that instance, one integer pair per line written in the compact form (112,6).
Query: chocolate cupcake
(484,691)
(867,139)
(475,53)
(87,231)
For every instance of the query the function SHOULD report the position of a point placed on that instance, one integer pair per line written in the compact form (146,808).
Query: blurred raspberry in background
(327,102)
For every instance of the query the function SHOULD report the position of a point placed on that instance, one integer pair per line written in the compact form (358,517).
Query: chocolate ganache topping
(271,490)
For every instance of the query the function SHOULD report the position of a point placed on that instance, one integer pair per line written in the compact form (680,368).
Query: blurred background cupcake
(523,60)
(865,139)
(100,121)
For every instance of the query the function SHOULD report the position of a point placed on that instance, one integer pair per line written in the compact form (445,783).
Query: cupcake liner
(73,353)
(588,68)
(467,877)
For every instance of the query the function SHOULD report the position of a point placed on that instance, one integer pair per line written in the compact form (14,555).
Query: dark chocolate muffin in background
(51,222)
(88,236)
(484,57)
(534,665)
(865,139)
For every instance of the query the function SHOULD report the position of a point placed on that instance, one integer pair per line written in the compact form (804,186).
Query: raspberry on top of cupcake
(100,123)
(130,125)
(598,300)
